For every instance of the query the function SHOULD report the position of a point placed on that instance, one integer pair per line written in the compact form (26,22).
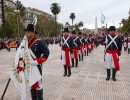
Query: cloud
(85,10)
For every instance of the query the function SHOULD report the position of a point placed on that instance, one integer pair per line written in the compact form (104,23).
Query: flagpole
(5,88)
(101,23)
(106,28)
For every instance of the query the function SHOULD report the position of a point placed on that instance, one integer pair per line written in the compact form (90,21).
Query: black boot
(114,74)
(72,59)
(33,94)
(82,57)
(85,52)
(108,74)
(9,49)
(69,71)
(128,50)
(65,70)
(40,94)
(89,50)
(76,65)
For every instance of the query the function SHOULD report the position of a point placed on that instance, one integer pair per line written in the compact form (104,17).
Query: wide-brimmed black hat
(80,33)
(30,27)
(66,30)
(112,28)
(73,32)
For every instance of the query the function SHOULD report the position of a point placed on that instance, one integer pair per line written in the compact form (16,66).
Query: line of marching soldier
(74,48)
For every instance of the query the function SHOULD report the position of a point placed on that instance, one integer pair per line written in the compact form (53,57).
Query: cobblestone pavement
(86,83)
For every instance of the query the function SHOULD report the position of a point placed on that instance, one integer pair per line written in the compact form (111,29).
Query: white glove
(34,63)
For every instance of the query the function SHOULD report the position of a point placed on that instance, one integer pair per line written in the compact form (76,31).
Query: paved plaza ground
(86,83)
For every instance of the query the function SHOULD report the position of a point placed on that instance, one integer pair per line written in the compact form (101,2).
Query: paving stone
(86,83)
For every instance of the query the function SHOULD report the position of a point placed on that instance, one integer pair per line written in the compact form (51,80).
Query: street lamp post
(17,12)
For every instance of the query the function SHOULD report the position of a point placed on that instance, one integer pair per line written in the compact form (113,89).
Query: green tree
(55,9)
(72,17)
(20,7)
(126,25)
(9,30)
(80,24)
(77,27)
(46,26)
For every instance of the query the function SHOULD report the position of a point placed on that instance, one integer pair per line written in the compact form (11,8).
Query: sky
(85,10)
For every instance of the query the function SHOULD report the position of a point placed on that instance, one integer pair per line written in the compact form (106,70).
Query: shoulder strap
(65,41)
(30,43)
(75,40)
(112,41)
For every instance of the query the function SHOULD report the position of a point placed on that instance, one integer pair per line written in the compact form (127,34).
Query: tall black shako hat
(80,33)
(66,30)
(74,32)
(30,27)
(112,28)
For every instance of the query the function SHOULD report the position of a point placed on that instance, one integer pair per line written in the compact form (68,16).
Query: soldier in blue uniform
(113,49)
(76,43)
(82,46)
(39,52)
(87,41)
(66,44)
(90,43)
(128,44)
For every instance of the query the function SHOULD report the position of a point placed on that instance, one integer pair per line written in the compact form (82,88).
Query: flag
(102,18)
(35,23)
(22,72)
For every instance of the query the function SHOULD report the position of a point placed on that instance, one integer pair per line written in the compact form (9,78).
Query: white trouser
(85,49)
(72,55)
(129,45)
(89,46)
(109,61)
(125,44)
(63,57)
(79,53)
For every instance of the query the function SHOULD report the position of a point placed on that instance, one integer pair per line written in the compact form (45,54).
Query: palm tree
(20,7)
(81,24)
(76,27)
(72,17)
(55,9)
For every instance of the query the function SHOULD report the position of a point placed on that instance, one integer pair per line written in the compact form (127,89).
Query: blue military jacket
(39,48)
(106,39)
